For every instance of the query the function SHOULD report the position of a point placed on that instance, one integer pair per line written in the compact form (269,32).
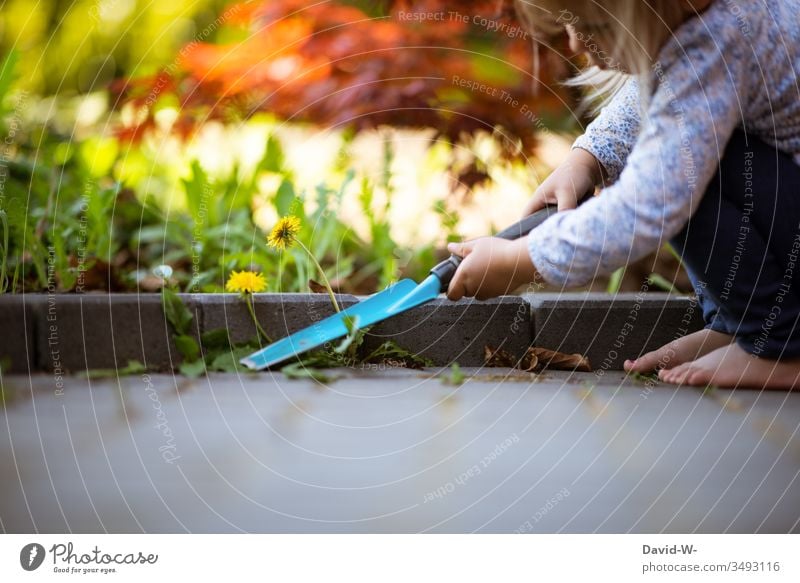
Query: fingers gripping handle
(526,225)
(447,268)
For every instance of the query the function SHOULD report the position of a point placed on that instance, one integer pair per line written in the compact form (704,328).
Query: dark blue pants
(742,249)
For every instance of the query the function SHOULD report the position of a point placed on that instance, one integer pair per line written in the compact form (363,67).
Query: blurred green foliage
(70,219)
(77,46)
(80,211)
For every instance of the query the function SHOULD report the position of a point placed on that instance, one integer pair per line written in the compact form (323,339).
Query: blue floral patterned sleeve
(721,70)
(611,136)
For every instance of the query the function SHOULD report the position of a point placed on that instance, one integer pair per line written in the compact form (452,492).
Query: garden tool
(396,299)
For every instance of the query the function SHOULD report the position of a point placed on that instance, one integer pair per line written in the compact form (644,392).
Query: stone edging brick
(70,333)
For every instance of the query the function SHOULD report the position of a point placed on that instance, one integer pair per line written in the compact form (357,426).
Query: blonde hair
(630,32)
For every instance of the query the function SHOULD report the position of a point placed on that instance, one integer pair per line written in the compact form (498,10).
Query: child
(700,148)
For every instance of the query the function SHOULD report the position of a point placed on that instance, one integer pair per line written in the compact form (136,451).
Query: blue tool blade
(402,296)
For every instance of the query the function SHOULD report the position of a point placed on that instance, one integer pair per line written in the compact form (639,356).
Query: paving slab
(395,451)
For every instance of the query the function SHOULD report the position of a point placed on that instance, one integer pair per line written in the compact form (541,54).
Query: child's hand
(491,267)
(576,177)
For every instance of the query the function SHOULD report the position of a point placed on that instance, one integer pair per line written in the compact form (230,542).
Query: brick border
(70,333)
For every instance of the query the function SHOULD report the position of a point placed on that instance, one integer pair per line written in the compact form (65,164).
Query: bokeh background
(141,133)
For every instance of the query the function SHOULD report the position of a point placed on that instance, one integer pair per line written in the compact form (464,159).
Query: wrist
(522,267)
(593,166)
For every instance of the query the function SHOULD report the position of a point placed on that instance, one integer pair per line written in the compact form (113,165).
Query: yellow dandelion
(246,282)
(284,234)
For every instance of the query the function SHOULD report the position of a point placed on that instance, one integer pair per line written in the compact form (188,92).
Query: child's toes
(675,375)
(698,377)
(693,376)
(666,375)
(644,364)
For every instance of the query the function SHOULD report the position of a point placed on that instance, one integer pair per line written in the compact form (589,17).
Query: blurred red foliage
(453,66)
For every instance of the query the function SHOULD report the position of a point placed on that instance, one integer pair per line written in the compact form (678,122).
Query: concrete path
(395,451)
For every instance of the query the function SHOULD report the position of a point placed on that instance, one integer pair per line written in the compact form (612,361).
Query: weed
(456,376)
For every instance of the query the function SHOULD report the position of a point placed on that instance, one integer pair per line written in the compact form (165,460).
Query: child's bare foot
(731,367)
(682,350)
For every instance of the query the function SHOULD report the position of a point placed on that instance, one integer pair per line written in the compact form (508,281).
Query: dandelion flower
(246,282)
(283,235)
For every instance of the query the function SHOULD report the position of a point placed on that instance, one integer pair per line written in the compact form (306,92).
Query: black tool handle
(447,268)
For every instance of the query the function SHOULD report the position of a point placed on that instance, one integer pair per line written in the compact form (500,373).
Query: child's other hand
(576,177)
(491,267)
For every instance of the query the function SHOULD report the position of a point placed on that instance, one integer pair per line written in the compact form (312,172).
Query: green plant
(214,353)
(181,318)
(134,367)
(391,353)
(662,283)
(615,281)
(284,235)
(644,379)
(346,354)
(4,252)
(247,283)
(455,377)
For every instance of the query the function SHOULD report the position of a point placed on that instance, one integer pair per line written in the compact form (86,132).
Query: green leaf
(197,190)
(98,155)
(300,370)
(354,338)
(8,72)
(214,339)
(644,379)
(133,367)
(389,351)
(615,282)
(4,252)
(456,376)
(284,198)
(661,282)
(671,250)
(177,313)
(228,360)
(192,369)
(187,346)
(273,160)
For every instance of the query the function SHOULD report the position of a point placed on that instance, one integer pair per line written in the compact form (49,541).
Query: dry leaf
(536,360)
(316,287)
(498,358)
(550,359)
(530,362)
